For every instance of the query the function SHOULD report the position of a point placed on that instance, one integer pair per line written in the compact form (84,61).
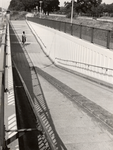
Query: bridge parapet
(2,72)
(7,99)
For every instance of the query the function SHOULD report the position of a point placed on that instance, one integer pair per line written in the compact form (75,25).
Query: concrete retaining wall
(75,54)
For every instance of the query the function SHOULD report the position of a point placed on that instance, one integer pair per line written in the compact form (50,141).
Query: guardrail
(85,64)
(99,70)
(2,87)
(94,35)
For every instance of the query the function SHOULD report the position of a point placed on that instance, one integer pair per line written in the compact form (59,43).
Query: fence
(98,36)
(75,54)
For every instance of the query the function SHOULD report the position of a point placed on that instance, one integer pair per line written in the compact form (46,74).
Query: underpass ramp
(76,128)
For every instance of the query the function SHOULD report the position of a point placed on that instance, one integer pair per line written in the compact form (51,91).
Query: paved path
(77,129)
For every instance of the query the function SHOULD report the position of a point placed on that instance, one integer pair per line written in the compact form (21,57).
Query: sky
(5,3)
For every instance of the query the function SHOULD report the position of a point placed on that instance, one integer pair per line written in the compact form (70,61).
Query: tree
(50,6)
(97,11)
(68,6)
(109,8)
(87,5)
(83,6)
(28,5)
(16,5)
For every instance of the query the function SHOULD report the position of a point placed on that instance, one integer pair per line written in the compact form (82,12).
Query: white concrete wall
(74,53)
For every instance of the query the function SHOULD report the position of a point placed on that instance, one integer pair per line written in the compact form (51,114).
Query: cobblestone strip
(93,108)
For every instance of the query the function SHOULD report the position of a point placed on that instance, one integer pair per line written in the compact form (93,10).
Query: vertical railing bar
(59,25)
(72,29)
(64,27)
(108,39)
(92,34)
(81,31)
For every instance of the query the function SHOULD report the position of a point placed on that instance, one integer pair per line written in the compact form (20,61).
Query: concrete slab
(76,128)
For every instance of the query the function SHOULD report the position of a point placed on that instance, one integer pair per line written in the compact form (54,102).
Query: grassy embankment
(16,15)
(84,20)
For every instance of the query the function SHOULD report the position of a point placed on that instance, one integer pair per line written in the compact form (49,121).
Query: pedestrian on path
(23,38)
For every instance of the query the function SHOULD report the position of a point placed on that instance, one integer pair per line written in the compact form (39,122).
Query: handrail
(2,73)
(92,38)
(52,146)
(85,64)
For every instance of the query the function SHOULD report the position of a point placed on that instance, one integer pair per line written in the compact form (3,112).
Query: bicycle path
(76,128)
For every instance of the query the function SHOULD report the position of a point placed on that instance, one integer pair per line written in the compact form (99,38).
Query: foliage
(50,6)
(28,5)
(86,5)
(83,6)
(16,5)
(15,15)
(89,7)
(109,8)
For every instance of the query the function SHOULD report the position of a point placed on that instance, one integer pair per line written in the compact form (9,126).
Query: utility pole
(72,11)
(40,8)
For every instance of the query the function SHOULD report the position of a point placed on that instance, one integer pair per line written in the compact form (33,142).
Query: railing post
(71,28)
(80,31)
(108,39)
(54,25)
(92,34)
(65,27)
(59,25)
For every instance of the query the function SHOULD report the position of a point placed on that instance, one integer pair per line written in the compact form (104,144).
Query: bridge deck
(78,129)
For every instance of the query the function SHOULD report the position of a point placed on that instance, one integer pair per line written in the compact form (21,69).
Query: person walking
(23,38)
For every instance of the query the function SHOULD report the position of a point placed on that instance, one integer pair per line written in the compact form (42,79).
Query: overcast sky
(5,3)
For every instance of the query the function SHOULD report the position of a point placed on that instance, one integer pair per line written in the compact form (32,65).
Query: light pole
(40,8)
(72,11)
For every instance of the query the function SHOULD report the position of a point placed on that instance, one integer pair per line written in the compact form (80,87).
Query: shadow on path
(30,77)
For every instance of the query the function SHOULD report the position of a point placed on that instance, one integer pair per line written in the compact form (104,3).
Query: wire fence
(94,35)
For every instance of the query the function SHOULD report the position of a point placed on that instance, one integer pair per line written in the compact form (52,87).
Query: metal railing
(94,35)
(32,104)
(2,86)
(86,66)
